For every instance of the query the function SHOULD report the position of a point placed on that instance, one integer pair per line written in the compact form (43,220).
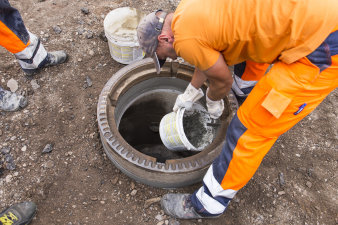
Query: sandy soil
(77,184)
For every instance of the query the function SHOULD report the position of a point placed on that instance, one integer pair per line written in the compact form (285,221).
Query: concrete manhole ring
(130,103)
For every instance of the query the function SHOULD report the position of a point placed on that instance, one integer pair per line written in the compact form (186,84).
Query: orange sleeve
(196,53)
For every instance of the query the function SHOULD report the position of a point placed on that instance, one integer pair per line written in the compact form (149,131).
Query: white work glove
(215,108)
(187,99)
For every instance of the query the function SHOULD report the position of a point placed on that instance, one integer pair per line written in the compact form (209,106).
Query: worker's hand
(215,108)
(187,99)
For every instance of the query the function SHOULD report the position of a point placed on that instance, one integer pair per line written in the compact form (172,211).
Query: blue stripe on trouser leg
(321,57)
(239,69)
(211,199)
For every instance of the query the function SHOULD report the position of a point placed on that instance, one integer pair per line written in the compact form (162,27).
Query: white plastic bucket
(120,29)
(172,132)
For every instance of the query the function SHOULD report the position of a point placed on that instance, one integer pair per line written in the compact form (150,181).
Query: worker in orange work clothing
(28,50)
(300,39)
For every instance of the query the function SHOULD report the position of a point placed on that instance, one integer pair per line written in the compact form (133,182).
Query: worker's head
(156,38)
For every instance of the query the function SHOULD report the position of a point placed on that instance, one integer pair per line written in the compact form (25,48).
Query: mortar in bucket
(187,130)
(120,29)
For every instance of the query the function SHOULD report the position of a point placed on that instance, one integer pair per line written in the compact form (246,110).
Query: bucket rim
(119,40)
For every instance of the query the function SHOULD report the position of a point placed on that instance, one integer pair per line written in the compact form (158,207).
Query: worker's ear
(165,38)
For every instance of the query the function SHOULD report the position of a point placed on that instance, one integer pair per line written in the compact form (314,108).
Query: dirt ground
(76,183)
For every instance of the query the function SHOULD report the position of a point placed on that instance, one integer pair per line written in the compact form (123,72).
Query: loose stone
(281,180)
(8,178)
(85,10)
(159,217)
(89,81)
(35,84)
(89,35)
(24,148)
(151,201)
(49,164)
(5,150)
(133,192)
(48,148)
(57,29)
(13,85)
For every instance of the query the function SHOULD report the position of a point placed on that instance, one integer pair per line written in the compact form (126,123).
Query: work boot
(19,214)
(55,58)
(10,101)
(179,206)
(52,59)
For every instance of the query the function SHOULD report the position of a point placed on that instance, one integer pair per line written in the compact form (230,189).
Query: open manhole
(130,108)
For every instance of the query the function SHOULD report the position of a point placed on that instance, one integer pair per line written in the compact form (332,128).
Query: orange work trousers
(280,99)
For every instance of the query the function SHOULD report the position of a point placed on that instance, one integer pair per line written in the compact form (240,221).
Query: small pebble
(103,36)
(13,85)
(24,148)
(8,158)
(85,10)
(10,165)
(281,179)
(151,201)
(80,31)
(49,164)
(35,84)
(281,193)
(57,29)
(114,181)
(8,178)
(159,217)
(48,148)
(173,222)
(132,186)
(133,192)
(308,184)
(89,81)
(5,150)
(89,35)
